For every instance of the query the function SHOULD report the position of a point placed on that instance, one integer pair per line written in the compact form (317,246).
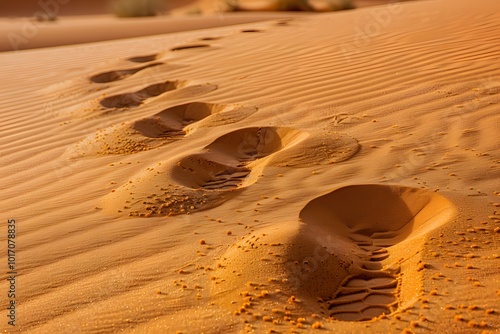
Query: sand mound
(116,139)
(205,180)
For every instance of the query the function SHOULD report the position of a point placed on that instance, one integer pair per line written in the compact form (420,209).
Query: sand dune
(28,33)
(336,173)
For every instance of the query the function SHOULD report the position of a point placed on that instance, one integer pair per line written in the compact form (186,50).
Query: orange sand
(335,173)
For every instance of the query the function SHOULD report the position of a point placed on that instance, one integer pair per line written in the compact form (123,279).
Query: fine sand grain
(336,173)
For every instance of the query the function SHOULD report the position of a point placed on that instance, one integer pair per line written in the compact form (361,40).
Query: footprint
(283,23)
(228,163)
(174,120)
(119,74)
(156,56)
(143,59)
(135,99)
(190,46)
(169,125)
(194,183)
(223,168)
(210,38)
(249,144)
(349,258)
(205,180)
(369,294)
(375,219)
(250,30)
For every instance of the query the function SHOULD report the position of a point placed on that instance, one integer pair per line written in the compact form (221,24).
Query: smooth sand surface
(335,173)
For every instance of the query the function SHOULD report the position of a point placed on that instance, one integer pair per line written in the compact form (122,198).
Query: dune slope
(336,173)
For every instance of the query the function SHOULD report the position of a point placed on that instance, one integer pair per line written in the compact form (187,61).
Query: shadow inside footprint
(119,74)
(135,99)
(198,172)
(190,46)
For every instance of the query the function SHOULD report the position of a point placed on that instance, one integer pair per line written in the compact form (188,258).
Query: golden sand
(336,173)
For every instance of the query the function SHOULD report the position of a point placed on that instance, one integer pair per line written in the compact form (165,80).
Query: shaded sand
(288,175)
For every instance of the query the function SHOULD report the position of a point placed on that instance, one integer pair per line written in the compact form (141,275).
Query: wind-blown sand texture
(336,173)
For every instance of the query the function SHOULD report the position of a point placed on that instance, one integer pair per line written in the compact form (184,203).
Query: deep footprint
(135,99)
(117,75)
(375,218)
